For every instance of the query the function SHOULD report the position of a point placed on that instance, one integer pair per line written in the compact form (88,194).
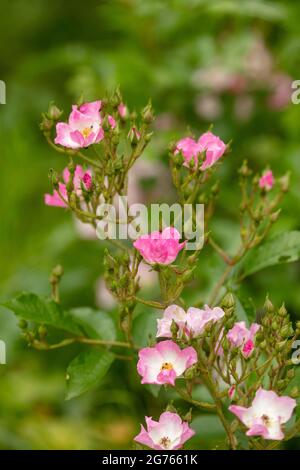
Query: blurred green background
(227,62)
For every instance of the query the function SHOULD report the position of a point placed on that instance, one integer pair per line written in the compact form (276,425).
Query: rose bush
(248,371)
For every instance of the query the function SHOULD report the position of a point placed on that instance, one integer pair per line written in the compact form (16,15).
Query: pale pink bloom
(266,414)
(241,337)
(164,362)
(79,175)
(191,323)
(160,247)
(123,111)
(267,180)
(214,148)
(169,433)
(83,128)
(111,121)
(173,312)
(198,319)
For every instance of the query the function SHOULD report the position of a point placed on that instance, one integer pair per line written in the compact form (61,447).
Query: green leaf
(144,327)
(86,371)
(30,307)
(96,324)
(245,308)
(284,248)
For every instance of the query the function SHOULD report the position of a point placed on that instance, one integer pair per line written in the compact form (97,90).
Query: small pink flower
(267,180)
(190,149)
(266,414)
(214,149)
(83,128)
(160,247)
(242,337)
(164,362)
(123,111)
(209,143)
(191,323)
(169,433)
(79,175)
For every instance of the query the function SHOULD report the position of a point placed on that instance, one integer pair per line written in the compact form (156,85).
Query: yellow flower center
(167,366)
(86,131)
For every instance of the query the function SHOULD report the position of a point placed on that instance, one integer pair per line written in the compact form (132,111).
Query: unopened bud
(282,311)
(54,112)
(284,182)
(294,393)
(147,113)
(268,306)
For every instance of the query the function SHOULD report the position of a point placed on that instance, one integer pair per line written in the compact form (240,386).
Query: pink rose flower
(164,362)
(199,318)
(160,247)
(169,433)
(266,414)
(79,175)
(214,149)
(209,143)
(241,337)
(190,149)
(267,180)
(83,128)
(191,323)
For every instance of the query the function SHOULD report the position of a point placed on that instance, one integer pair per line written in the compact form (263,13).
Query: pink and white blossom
(83,127)
(267,180)
(208,144)
(241,337)
(160,247)
(164,362)
(266,415)
(191,323)
(79,176)
(169,433)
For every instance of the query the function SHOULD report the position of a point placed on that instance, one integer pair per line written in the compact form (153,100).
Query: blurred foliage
(152,48)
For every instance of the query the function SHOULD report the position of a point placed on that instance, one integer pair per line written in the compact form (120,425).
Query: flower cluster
(246,369)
